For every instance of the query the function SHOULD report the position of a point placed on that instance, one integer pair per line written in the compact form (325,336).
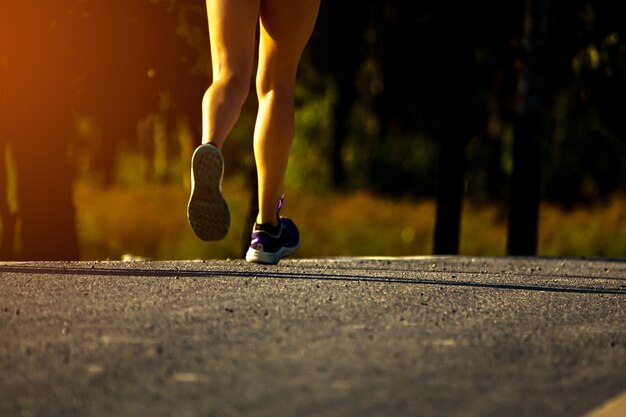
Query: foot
(269,246)
(207,211)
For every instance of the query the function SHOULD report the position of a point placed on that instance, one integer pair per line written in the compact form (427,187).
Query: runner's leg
(286,26)
(232,31)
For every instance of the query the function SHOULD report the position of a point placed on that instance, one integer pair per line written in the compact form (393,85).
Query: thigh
(286,26)
(232,30)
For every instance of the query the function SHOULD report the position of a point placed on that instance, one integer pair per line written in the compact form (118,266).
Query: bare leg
(286,26)
(232,30)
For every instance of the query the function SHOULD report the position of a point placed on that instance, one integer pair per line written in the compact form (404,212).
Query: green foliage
(309,165)
(406,164)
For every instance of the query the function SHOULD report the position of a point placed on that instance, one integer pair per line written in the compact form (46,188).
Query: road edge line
(614,407)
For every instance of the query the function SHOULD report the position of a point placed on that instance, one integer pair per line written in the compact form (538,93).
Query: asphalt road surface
(432,336)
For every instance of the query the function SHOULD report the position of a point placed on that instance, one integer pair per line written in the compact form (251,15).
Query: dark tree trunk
(44,185)
(450,192)
(336,50)
(455,104)
(525,189)
(526,178)
(38,123)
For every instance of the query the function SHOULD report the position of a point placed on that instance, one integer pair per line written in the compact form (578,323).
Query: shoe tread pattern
(207,210)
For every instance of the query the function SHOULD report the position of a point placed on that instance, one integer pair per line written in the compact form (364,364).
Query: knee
(233,86)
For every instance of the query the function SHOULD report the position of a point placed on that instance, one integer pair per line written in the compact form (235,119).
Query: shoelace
(280,205)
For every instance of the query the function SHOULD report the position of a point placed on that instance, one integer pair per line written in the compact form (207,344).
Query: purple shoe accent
(268,248)
(280,204)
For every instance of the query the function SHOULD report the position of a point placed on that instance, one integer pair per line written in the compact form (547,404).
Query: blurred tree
(496,26)
(586,157)
(529,130)
(337,52)
(140,59)
(38,55)
(118,60)
(455,103)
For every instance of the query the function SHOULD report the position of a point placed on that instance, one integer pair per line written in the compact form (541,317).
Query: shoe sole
(207,211)
(269,258)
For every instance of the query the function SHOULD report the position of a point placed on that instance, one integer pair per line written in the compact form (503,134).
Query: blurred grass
(149,221)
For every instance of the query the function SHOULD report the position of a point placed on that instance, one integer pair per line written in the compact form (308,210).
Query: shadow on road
(392,272)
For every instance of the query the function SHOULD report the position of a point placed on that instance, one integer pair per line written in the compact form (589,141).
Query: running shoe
(269,246)
(207,211)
